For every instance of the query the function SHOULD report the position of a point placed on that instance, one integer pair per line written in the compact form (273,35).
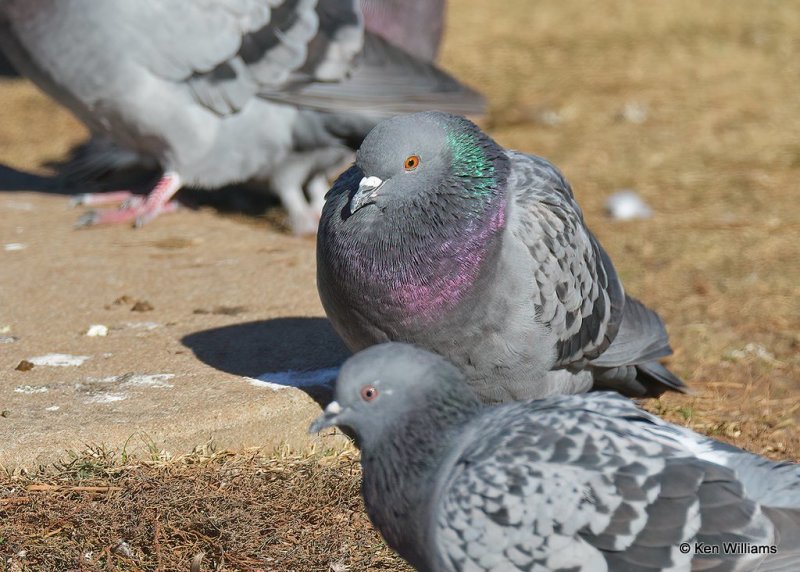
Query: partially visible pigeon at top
(416,25)
(226,91)
(439,237)
(585,483)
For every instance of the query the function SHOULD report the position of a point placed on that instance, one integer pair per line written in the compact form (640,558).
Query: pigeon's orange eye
(368,393)
(412,162)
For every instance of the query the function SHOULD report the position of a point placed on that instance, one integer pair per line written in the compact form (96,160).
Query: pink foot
(135,209)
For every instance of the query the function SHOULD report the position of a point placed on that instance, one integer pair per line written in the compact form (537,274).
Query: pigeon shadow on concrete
(6,69)
(13,180)
(236,200)
(249,200)
(298,352)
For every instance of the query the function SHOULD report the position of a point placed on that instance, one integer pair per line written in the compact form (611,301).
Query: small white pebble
(52,408)
(97,330)
(627,205)
(5,328)
(13,246)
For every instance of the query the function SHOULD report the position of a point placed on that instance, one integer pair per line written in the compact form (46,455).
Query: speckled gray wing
(559,487)
(576,291)
(229,50)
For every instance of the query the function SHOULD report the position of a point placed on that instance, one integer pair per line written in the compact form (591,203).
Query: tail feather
(641,338)
(657,379)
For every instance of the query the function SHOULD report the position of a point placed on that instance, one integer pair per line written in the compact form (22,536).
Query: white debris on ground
(634,112)
(752,350)
(4,338)
(119,384)
(105,398)
(139,326)
(14,246)
(97,330)
(58,360)
(284,379)
(158,380)
(627,205)
(31,389)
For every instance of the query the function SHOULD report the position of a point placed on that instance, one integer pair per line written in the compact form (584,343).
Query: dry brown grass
(226,511)
(717,156)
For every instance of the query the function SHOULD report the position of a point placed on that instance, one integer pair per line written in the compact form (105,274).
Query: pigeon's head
(388,384)
(412,161)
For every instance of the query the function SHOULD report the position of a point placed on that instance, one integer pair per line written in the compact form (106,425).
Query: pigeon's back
(580,483)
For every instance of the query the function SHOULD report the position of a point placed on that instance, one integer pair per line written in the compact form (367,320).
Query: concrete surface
(232,299)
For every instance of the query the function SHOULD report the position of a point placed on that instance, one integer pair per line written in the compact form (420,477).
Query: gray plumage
(482,255)
(226,91)
(580,483)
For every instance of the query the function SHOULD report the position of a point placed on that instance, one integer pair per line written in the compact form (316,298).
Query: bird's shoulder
(535,180)
(574,286)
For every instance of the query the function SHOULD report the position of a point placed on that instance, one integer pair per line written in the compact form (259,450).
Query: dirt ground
(691,104)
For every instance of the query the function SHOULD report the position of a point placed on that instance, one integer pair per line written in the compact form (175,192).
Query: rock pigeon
(223,91)
(439,237)
(579,482)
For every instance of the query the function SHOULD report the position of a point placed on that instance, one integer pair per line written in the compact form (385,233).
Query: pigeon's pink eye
(368,393)
(412,162)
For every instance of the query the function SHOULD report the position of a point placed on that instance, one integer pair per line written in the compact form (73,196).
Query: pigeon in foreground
(220,92)
(573,483)
(439,237)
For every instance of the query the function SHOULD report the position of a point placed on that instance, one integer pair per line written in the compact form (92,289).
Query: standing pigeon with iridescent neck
(217,92)
(439,237)
(579,483)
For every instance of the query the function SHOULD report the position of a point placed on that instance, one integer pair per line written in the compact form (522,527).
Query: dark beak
(327,419)
(366,194)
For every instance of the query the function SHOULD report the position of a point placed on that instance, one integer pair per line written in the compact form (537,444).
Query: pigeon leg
(139,211)
(302,219)
(100,199)
(317,188)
